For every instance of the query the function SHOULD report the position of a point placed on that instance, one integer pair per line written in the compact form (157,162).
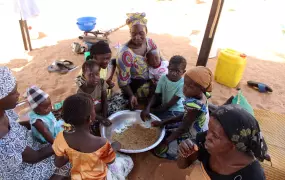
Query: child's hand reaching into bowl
(156,124)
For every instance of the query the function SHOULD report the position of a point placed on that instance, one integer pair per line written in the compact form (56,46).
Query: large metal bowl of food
(135,135)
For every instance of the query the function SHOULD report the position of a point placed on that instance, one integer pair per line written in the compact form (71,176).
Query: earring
(71,129)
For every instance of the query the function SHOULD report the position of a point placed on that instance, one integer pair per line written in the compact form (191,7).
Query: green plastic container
(242,101)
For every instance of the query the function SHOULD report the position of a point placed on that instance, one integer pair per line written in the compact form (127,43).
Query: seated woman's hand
(187,148)
(106,122)
(110,83)
(133,102)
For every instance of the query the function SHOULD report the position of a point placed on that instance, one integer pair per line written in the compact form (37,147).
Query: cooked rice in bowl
(137,137)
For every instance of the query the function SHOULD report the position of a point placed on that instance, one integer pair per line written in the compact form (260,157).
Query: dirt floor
(58,30)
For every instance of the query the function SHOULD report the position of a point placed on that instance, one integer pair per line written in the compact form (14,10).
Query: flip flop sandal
(58,68)
(208,95)
(261,87)
(52,68)
(160,151)
(66,63)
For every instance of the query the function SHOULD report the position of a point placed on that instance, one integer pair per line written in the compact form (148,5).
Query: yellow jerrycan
(230,67)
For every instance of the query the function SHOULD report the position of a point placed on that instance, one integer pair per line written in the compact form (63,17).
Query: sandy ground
(177,28)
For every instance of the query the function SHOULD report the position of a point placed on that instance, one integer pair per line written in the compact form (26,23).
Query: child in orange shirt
(88,154)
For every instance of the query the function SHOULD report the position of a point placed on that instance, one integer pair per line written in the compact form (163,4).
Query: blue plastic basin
(87,19)
(86,23)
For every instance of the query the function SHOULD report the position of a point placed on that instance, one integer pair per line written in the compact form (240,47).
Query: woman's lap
(41,170)
(46,167)
(117,103)
(139,87)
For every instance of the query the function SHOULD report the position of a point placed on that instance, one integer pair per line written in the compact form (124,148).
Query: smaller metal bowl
(118,119)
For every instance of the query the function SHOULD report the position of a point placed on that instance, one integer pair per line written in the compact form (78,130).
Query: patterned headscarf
(136,18)
(36,96)
(202,76)
(7,81)
(243,130)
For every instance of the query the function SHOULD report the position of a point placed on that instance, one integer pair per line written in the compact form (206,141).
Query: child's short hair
(100,47)
(89,65)
(178,60)
(77,109)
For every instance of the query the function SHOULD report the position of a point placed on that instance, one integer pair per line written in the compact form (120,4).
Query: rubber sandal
(53,68)
(66,63)
(58,68)
(261,87)
(208,95)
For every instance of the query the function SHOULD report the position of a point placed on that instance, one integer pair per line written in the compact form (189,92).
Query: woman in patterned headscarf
(133,76)
(230,149)
(21,157)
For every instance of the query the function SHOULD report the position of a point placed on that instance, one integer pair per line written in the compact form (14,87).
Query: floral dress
(133,67)
(13,144)
(186,128)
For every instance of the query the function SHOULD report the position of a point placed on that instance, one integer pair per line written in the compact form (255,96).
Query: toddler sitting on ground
(44,125)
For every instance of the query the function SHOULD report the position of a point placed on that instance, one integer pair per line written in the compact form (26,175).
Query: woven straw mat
(273,129)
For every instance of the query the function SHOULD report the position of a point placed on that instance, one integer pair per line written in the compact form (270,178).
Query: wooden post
(210,31)
(28,35)
(25,35)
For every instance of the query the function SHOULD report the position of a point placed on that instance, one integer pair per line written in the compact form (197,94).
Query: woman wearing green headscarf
(230,150)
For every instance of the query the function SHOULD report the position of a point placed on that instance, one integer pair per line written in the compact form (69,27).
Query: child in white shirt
(157,67)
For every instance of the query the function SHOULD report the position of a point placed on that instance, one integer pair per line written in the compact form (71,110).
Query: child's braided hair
(89,65)
(77,109)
